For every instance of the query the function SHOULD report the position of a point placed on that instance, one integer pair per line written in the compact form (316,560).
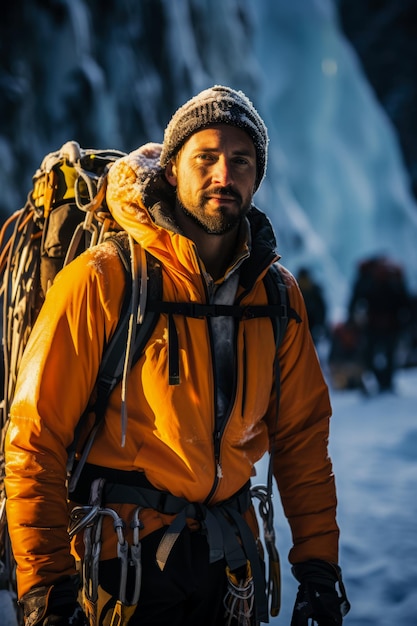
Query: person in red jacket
(170,533)
(380,307)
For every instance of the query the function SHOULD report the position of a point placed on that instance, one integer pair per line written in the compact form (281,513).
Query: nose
(222,173)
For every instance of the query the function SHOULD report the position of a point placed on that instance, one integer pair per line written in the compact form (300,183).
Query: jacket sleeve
(300,431)
(55,381)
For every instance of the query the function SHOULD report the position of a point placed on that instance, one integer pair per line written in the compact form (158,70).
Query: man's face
(215,175)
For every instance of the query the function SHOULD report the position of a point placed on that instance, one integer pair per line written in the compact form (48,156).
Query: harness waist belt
(165,502)
(228,534)
(124,487)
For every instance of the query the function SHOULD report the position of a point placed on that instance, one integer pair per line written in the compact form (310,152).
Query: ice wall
(335,162)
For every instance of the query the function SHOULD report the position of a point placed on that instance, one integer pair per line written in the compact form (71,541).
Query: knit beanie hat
(217,105)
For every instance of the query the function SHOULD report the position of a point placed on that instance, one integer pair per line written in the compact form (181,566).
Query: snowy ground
(374,452)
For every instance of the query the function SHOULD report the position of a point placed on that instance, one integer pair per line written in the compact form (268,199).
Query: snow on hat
(217,105)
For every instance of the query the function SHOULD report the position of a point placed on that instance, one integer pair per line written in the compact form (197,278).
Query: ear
(171,173)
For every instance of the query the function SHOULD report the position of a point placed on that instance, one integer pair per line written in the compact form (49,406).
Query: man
(176,468)
(380,309)
(315,304)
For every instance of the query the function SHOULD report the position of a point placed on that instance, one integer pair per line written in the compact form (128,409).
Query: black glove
(54,606)
(317,597)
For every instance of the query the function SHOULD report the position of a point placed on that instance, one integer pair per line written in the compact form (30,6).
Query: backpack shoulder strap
(111,368)
(277,293)
(113,359)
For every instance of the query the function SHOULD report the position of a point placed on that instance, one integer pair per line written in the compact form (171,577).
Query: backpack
(65,213)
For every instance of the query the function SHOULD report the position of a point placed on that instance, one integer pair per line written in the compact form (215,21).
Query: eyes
(209,158)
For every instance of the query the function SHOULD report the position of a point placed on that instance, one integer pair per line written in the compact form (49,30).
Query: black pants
(380,356)
(189,591)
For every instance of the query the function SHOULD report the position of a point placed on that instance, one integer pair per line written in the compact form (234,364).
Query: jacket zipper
(219,428)
(216,433)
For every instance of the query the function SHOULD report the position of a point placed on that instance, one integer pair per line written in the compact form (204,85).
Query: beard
(222,220)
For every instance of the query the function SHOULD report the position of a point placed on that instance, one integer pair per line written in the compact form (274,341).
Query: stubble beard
(220,222)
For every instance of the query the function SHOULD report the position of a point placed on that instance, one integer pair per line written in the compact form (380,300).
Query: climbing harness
(228,535)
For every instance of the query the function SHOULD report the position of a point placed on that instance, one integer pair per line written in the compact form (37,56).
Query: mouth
(223,196)
(222,199)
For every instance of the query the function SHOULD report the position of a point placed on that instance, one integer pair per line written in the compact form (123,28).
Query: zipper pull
(217,441)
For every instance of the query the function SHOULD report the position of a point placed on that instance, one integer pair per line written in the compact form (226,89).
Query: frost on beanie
(217,105)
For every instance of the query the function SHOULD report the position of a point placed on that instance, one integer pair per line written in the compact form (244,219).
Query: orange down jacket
(169,433)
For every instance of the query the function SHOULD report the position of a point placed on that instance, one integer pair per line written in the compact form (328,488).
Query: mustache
(223,191)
